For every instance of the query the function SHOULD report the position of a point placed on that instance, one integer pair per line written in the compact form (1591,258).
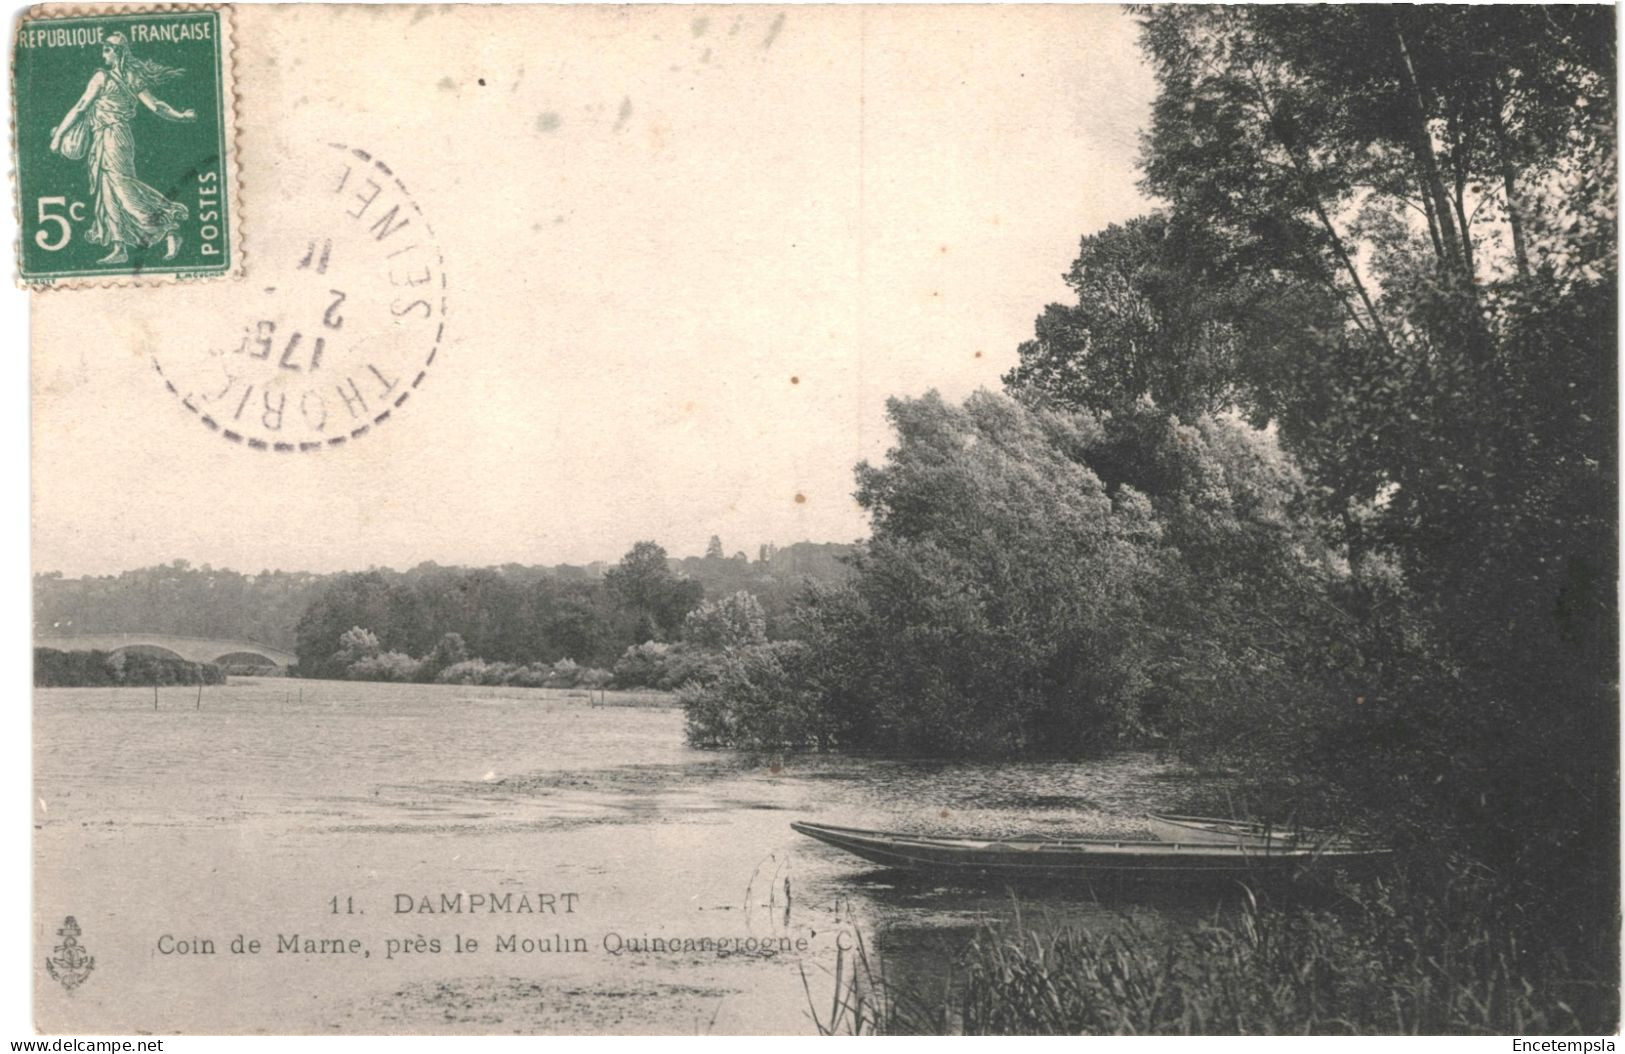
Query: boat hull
(1074,857)
(1201,830)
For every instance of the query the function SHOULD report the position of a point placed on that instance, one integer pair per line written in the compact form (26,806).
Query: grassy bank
(1398,956)
(100,669)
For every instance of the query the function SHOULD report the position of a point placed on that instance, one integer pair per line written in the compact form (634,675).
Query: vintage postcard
(797,520)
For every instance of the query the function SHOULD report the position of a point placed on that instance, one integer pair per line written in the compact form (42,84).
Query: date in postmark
(344,316)
(124,147)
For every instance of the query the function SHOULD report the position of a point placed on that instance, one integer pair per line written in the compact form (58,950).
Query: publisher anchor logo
(69,962)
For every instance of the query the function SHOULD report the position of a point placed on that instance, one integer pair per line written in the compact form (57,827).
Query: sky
(690,254)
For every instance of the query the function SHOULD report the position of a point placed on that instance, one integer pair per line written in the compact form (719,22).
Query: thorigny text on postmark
(124,144)
(338,323)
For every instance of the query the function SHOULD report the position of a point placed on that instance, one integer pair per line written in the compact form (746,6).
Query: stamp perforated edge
(229,101)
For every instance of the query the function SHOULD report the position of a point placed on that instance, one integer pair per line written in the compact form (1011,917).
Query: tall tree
(1389,233)
(1047,581)
(353,600)
(649,596)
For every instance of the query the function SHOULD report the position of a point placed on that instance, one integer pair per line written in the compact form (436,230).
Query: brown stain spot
(688,408)
(795,380)
(773,31)
(482,82)
(978,354)
(942,249)
(776,768)
(943,814)
(801,499)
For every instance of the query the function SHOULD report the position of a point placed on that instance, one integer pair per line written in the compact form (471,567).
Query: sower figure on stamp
(127,211)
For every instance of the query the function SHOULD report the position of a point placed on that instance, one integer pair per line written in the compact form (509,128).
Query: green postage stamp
(123,134)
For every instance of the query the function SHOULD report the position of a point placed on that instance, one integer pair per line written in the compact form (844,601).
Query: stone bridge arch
(192,649)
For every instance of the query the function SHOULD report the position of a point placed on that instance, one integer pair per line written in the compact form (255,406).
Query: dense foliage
(100,669)
(1044,580)
(1390,233)
(763,695)
(1320,471)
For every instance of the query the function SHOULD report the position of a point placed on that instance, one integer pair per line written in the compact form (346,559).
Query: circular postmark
(343,315)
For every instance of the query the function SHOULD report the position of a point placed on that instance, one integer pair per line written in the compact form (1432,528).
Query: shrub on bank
(386,666)
(100,669)
(667,667)
(499,674)
(764,697)
(563,674)
(531,675)
(687,664)
(469,671)
(449,663)
(653,664)
(593,677)
(244,669)
(641,665)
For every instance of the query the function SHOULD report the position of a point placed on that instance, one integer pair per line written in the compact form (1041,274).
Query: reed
(1387,960)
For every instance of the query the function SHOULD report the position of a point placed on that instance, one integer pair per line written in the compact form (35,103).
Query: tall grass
(1391,959)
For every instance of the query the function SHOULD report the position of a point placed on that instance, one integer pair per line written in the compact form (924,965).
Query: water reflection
(265,801)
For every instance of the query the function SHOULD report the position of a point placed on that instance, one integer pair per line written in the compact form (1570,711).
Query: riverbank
(1408,955)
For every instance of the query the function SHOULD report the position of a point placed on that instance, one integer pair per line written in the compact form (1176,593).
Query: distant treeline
(176,599)
(640,623)
(183,600)
(100,669)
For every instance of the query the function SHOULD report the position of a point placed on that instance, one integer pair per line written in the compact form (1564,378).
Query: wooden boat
(1037,856)
(1203,830)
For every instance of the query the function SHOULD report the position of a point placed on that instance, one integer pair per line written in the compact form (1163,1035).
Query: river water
(336,812)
